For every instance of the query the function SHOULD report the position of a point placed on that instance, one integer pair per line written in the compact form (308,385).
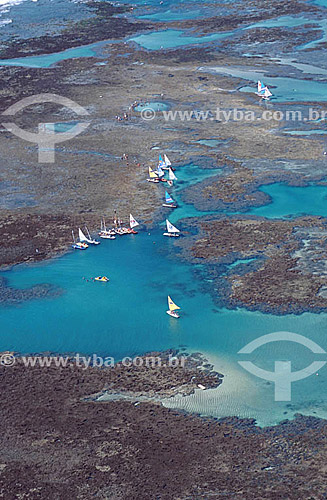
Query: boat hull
(167,205)
(171,235)
(173,314)
(78,247)
(154,181)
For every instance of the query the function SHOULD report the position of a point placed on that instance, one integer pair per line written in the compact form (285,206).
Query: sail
(161,162)
(160,172)
(168,198)
(171,228)
(132,221)
(152,174)
(81,235)
(260,87)
(267,92)
(172,306)
(167,161)
(171,175)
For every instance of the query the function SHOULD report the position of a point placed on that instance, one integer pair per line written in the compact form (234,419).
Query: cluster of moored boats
(85,239)
(118,229)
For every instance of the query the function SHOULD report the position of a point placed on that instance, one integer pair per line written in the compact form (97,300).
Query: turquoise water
(153,105)
(210,143)
(168,39)
(172,15)
(127,316)
(305,132)
(283,89)
(294,201)
(47,60)
(240,261)
(187,175)
(293,22)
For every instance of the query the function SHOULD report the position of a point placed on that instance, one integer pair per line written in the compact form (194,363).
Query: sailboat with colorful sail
(161,162)
(263,91)
(172,308)
(169,201)
(88,239)
(160,173)
(132,224)
(171,177)
(172,231)
(153,176)
(260,88)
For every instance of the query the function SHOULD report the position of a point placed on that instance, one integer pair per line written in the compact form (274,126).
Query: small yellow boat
(101,278)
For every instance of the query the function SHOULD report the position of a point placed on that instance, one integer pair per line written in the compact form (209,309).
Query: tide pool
(283,89)
(293,201)
(305,132)
(47,60)
(169,39)
(172,15)
(152,105)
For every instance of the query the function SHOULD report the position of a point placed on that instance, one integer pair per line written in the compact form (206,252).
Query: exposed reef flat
(60,445)
(288,274)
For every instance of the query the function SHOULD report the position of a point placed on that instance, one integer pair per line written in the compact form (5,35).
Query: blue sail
(168,198)
(161,162)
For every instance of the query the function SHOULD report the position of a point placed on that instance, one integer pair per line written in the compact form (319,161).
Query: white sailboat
(79,245)
(167,161)
(132,224)
(153,176)
(91,240)
(172,308)
(86,239)
(172,231)
(267,94)
(171,177)
(164,163)
(160,173)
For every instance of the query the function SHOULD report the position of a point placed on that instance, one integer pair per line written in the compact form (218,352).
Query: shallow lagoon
(127,316)
(293,201)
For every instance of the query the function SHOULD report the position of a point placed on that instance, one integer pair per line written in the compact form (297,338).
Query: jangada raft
(263,91)
(132,224)
(171,176)
(172,309)
(169,201)
(153,176)
(172,231)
